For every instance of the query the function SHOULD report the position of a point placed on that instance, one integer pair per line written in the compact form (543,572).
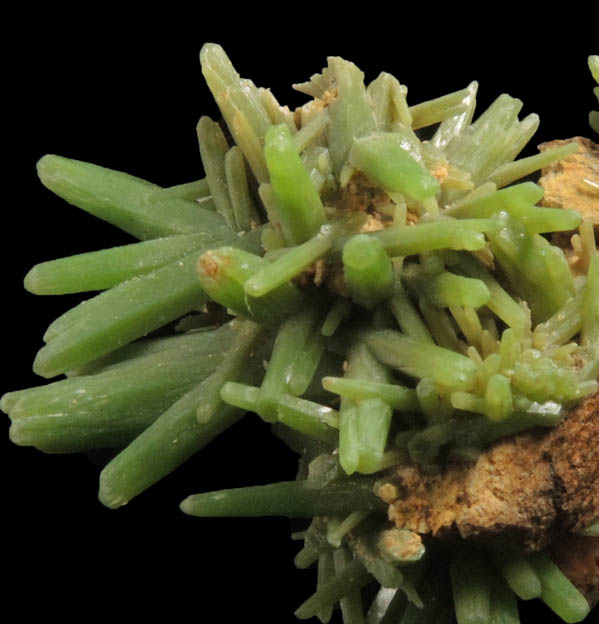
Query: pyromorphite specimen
(384,301)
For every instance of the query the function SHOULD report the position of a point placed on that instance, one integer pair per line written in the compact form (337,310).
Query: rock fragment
(573,182)
(522,492)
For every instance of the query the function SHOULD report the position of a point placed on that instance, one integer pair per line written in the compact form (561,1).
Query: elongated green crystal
(519,574)
(306,365)
(240,104)
(178,432)
(384,160)
(303,416)
(348,580)
(523,257)
(290,498)
(501,302)
(122,314)
(410,322)
(244,210)
(504,605)
(100,270)
(350,112)
(420,359)
(399,397)
(298,204)
(197,190)
(450,130)
(403,240)
(511,171)
(446,289)
(109,408)
(213,148)
(367,271)
(498,398)
(471,585)
(439,109)
(518,201)
(291,339)
(124,200)
(290,265)
(222,273)
(440,326)
(557,591)
(364,424)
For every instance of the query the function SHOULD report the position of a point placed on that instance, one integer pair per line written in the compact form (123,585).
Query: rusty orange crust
(208,265)
(522,492)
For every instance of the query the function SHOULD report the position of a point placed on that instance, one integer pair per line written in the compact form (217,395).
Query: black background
(127,94)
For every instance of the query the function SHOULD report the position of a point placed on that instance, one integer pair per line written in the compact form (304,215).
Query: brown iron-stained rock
(573,182)
(522,492)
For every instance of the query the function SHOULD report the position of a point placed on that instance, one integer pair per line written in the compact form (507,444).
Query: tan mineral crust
(359,194)
(522,492)
(573,182)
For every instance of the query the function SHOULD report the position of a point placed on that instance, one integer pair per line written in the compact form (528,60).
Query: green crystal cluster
(403,292)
